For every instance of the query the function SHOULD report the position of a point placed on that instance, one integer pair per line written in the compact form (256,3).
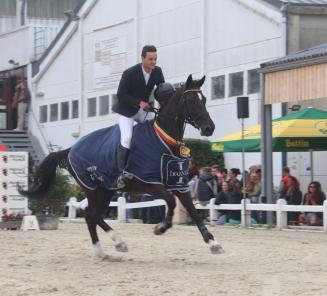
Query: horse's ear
(201,81)
(189,81)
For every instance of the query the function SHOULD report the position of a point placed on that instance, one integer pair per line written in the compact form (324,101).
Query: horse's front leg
(186,201)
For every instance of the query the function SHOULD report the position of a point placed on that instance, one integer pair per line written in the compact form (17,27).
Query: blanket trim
(71,165)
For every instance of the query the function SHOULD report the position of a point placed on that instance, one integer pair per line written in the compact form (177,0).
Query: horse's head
(185,105)
(192,106)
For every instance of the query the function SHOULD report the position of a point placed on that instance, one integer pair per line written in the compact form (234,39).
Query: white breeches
(126,126)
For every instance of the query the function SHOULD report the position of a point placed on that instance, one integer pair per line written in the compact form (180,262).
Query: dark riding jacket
(132,89)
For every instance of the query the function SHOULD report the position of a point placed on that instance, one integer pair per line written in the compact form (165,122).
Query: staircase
(22,141)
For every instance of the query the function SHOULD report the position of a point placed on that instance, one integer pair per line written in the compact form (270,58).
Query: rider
(133,94)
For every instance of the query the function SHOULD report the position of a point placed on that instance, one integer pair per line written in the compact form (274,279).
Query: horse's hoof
(216,248)
(159,229)
(121,247)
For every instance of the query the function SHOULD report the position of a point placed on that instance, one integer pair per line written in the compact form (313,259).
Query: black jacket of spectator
(206,191)
(222,198)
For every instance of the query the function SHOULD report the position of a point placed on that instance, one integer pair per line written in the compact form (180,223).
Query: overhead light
(13,62)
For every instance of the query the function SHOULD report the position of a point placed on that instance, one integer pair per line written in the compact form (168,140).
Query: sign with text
(13,172)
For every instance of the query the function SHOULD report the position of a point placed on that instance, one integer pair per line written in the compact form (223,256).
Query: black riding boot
(122,154)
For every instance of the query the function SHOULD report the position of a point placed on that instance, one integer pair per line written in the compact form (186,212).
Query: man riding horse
(156,160)
(133,94)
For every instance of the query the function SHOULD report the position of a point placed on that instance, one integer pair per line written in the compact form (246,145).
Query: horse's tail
(45,174)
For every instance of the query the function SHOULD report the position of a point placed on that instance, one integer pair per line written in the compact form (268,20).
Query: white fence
(281,209)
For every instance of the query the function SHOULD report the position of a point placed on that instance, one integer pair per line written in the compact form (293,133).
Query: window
(218,87)
(114,100)
(253,81)
(64,111)
(104,105)
(91,107)
(53,112)
(236,84)
(43,114)
(75,109)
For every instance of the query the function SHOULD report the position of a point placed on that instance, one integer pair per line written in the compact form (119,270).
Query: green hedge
(202,155)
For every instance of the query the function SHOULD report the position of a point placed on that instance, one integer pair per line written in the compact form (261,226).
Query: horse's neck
(173,128)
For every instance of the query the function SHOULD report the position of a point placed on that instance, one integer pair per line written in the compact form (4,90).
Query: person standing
(23,98)
(133,94)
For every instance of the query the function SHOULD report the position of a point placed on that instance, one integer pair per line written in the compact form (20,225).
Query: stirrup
(123,180)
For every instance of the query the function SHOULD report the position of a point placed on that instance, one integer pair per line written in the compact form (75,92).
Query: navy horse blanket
(93,159)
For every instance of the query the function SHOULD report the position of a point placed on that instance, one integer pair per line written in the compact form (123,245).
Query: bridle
(182,106)
(184,102)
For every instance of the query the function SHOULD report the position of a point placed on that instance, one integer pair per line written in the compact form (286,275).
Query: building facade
(76,81)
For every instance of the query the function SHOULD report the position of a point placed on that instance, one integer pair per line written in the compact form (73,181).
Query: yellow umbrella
(304,130)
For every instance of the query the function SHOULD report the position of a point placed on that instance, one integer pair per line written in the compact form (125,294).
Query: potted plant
(11,221)
(51,206)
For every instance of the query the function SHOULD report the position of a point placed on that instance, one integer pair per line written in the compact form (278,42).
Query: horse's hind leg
(159,192)
(91,219)
(186,200)
(104,197)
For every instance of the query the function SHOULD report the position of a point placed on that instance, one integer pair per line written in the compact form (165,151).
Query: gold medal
(184,151)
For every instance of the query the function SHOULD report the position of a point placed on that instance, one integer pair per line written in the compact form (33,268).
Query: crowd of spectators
(227,187)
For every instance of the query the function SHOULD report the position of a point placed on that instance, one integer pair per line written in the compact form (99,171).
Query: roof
(306,2)
(319,51)
(279,3)
(35,65)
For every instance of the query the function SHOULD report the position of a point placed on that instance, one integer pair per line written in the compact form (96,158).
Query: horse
(187,105)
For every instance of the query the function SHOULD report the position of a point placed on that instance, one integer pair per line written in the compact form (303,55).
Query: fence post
(121,209)
(212,212)
(72,208)
(281,217)
(245,215)
(325,215)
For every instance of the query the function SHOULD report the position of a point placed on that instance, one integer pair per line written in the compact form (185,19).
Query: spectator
(207,188)
(234,183)
(292,195)
(146,213)
(193,186)
(22,99)
(216,173)
(314,197)
(193,170)
(283,186)
(222,198)
(235,197)
(253,191)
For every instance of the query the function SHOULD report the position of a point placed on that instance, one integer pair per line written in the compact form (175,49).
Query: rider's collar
(163,135)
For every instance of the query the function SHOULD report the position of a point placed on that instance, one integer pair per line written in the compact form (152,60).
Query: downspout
(22,12)
(284,40)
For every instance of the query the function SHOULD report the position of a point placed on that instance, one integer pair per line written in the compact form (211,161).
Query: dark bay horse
(186,105)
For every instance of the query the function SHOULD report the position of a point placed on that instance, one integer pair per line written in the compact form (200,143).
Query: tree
(60,191)
(202,154)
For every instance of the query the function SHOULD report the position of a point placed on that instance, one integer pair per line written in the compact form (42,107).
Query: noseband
(184,101)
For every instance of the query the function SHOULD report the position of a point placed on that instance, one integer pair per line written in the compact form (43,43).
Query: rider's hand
(145,105)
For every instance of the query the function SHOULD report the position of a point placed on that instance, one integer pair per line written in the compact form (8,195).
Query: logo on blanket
(174,171)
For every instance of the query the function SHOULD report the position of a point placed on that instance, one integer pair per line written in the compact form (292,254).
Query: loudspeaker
(242,107)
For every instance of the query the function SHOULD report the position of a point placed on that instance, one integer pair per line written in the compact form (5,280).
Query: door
(6,93)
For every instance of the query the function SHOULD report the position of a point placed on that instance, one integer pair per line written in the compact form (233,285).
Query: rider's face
(149,61)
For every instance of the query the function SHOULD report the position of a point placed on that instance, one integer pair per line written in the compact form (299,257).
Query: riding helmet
(163,92)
